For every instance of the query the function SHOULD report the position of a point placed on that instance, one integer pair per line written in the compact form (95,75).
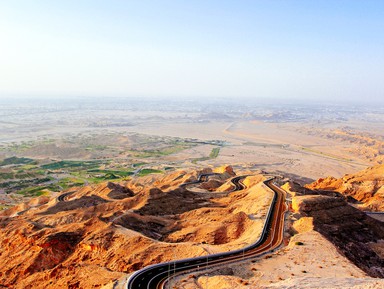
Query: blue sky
(240,49)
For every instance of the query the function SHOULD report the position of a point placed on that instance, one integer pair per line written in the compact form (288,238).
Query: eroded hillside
(328,244)
(89,236)
(365,188)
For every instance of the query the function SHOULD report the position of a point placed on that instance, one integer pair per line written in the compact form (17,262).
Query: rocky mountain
(356,235)
(365,188)
(93,235)
(328,244)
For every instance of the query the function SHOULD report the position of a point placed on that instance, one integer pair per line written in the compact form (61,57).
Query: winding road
(156,276)
(236,181)
(63,197)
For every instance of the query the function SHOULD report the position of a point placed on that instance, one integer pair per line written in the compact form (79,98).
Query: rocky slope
(328,244)
(357,236)
(366,187)
(90,236)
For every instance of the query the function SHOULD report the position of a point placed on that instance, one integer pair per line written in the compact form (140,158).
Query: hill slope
(89,236)
(366,187)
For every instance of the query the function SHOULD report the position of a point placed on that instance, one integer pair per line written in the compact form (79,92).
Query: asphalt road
(156,276)
(236,181)
(62,197)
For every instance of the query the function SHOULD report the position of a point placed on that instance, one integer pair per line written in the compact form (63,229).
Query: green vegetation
(98,175)
(43,186)
(209,142)
(25,176)
(71,164)
(212,155)
(194,161)
(113,158)
(102,178)
(7,175)
(250,143)
(114,172)
(69,182)
(29,167)
(21,147)
(16,185)
(145,172)
(38,191)
(16,161)
(138,164)
(165,151)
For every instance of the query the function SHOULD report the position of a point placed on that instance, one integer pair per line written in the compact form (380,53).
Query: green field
(145,172)
(87,159)
(165,151)
(28,178)
(16,161)
(71,164)
(212,155)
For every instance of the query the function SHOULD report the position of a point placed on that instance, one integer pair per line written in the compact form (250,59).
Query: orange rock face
(86,238)
(366,187)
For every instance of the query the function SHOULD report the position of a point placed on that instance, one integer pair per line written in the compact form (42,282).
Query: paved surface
(156,276)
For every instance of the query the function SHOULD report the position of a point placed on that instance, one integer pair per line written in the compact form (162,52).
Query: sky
(332,50)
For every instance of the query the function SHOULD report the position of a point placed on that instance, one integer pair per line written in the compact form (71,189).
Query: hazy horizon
(89,100)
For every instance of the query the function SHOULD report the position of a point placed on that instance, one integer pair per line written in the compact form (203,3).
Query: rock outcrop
(366,187)
(93,235)
(354,233)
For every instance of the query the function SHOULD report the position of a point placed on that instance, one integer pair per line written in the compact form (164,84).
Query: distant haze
(317,50)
